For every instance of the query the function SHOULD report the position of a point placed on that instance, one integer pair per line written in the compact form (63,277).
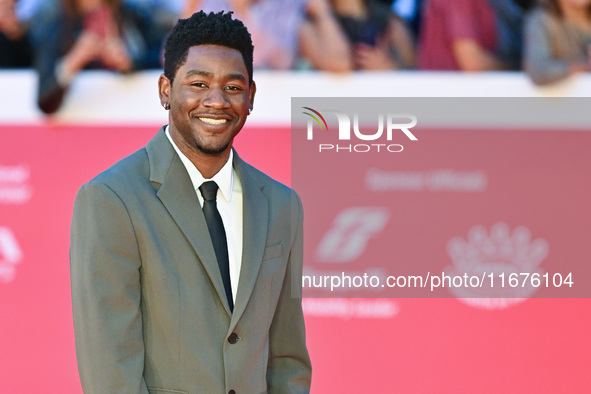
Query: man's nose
(216,98)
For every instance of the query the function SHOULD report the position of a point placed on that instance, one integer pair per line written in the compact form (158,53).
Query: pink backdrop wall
(356,345)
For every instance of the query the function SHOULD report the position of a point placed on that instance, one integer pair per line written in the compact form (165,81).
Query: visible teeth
(213,121)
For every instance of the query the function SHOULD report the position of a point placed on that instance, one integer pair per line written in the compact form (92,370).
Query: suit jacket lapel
(254,228)
(177,194)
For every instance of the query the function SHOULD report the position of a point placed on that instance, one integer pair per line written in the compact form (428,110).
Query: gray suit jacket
(150,312)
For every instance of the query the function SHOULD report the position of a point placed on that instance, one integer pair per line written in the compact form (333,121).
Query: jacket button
(233,338)
(231,392)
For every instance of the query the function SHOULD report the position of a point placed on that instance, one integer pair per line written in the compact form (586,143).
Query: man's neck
(208,164)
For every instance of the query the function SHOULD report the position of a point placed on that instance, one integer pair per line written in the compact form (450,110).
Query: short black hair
(206,29)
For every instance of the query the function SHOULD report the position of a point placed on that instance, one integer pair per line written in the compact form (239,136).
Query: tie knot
(209,190)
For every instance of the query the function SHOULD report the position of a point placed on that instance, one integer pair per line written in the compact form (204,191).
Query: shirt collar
(224,177)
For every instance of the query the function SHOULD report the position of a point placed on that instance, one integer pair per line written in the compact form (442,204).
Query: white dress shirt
(229,204)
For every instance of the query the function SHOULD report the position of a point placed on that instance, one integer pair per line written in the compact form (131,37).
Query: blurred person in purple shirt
(470,35)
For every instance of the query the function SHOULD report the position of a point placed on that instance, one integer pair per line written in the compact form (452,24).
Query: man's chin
(212,150)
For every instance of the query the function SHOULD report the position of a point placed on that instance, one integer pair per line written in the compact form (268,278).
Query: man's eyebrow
(236,76)
(192,73)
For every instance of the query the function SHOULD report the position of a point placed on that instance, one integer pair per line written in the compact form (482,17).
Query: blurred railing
(103,97)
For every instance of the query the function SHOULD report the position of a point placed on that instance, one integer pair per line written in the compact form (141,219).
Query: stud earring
(166,106)
(249,110)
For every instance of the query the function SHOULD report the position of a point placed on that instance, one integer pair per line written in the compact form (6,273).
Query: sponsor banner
(480,199)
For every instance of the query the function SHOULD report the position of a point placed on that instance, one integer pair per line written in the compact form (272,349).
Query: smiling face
(209,100)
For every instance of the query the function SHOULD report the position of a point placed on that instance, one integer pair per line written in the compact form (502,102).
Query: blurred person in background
(378,38)
(15,48)
(557,38)
(324,45)
(273,24)
(72,35)
(285,32)
(470,35)
(147,23)
(410,11)
(526,5)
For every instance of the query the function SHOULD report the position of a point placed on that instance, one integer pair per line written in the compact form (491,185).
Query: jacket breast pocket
(273,251)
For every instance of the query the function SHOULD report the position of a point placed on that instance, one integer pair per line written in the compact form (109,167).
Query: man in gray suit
(156,307)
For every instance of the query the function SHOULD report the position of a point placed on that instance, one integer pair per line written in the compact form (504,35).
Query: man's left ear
(253,90)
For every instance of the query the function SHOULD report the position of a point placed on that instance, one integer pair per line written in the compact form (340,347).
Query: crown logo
(498,251)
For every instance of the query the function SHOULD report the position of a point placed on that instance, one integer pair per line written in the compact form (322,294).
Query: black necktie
(209,191)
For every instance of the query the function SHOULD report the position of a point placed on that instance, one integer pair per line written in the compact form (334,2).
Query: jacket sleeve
(289,368)
(105,276)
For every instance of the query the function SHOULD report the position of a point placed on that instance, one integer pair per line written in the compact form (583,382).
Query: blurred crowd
(549,39)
